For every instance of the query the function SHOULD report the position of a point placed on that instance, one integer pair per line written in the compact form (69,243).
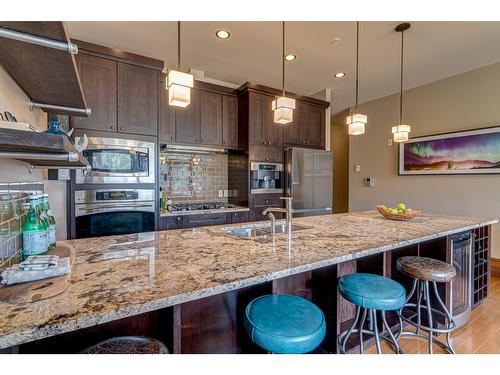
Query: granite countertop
(119,276)
(204,212)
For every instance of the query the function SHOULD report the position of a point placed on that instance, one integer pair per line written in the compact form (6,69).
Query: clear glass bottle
(50,220)
(34,230)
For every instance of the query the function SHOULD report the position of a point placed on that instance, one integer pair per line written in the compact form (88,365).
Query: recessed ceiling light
(222,34)
(290,57)
(339,75)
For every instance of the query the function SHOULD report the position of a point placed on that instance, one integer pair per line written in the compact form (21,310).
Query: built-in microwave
(117,161)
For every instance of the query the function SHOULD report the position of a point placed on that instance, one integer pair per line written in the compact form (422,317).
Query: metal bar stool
(285,324)
(426,272)
(371,294)
(128,345)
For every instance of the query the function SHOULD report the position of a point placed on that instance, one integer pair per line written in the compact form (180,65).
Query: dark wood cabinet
(262,129)
(259,202)
(211,119)
(308,127)
(187,127)
(240,217)
(98,78)
(203,220)
(137,99)
(166,113)
(265,153)
(229,121)
(170,222)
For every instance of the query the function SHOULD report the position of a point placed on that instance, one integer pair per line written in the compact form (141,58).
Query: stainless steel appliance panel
(266,178)
(115,160)
(461,286)
(309,180)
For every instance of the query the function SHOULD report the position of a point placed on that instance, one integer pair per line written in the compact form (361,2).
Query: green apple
(401,207)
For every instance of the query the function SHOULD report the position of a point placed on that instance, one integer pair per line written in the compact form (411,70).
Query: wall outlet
(357,168)
(221,193)
(369,182)
(389,142)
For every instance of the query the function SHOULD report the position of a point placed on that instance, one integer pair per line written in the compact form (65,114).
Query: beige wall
(14,100)
(466,101)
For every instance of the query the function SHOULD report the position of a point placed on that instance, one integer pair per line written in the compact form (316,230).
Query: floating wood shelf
(40,149)
(46,75)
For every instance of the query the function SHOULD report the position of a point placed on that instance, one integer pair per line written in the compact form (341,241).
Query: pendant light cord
(179,46)
(283,60)
(357,62)
(401,86)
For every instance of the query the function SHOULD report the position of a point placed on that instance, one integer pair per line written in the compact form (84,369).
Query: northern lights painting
(467,152)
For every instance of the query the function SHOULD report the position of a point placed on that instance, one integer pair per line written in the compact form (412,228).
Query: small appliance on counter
(106,212)
(266,178)
(309,181)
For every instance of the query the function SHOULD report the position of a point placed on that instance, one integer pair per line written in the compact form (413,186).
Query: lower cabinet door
(193,221)
(259,202)
(240,217)
(170,222)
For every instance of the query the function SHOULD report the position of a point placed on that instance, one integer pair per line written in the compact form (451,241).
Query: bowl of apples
(401,212)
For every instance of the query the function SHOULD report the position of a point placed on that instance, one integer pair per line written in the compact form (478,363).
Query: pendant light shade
(401,131)
(179,84)
(356,122)
(282,106)
(283,109)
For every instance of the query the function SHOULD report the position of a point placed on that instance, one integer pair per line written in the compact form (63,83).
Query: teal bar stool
(285,324)
(371,294)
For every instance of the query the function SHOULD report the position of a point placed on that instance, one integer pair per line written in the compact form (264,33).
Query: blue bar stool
(285,324)
(370,293)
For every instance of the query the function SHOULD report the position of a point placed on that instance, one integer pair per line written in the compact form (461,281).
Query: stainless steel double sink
(259,230)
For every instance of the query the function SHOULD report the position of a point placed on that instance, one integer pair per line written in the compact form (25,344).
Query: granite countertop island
(121,276)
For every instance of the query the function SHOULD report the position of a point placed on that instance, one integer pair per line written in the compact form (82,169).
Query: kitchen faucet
(287,210)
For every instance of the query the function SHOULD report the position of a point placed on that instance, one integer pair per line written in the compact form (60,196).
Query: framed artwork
(466,152)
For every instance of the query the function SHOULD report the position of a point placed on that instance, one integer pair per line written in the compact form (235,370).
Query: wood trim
(495,266)
(253,87)
(118,55)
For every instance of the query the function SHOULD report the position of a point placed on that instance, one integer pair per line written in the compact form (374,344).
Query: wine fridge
(461,286)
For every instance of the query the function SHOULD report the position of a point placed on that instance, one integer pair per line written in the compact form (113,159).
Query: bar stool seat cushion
(426,269)
(285,324)
(128,345)
(372,291)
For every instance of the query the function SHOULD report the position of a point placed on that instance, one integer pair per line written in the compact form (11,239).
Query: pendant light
(282,106)
(401,130)
(356,122)
(179,84)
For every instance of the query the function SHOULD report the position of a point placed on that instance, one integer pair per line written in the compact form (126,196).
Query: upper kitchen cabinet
(257,126)
(122,90)
(98,77)
(137,99)
(211,118)
(166,114)
(187,120)
(229,121)
(262,129)
(308,127)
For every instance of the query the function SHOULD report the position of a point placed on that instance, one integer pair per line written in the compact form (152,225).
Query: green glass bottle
(50,220)
(34,230)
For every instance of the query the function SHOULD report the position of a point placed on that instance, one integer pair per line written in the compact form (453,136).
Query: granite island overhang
(193,271)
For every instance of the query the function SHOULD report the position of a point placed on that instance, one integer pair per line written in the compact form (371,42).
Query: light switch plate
(357,168)
(389,142)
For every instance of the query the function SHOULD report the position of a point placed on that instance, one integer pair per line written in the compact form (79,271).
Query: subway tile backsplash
(194,177)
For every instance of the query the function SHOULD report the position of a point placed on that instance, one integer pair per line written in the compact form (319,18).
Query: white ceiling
(433,50)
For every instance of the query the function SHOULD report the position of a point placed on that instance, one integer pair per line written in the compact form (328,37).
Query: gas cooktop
(198,206)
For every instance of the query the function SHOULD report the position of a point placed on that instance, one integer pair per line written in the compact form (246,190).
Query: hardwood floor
(480,336)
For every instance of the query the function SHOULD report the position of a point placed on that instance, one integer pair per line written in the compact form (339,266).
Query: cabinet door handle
(112,127)
(121,127)
(264,142)
(201,141)
(267,159)
(267,202)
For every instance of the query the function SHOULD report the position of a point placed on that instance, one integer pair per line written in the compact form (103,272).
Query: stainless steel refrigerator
(309,180)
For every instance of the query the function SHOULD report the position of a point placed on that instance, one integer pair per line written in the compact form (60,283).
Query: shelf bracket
(71,48)
(77,111)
